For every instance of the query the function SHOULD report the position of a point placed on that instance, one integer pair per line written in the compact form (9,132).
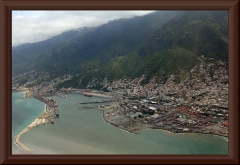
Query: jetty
(88,107)
(51,110)
(61,95)
(94,102)
(19,144)
(17,138)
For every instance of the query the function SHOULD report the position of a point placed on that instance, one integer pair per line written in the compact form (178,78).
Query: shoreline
(40,120)
(137,128)
(134,130)
(108,121)
(200,133)
(17,138)
(44,118)
(37,122)
(140,126)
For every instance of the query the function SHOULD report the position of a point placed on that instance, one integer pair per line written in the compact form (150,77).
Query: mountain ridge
(101,40)
(116,49)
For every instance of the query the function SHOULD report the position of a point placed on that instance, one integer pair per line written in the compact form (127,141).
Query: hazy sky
(33,26)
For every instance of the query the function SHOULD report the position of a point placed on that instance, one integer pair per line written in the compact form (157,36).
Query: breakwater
(95,102)
(21,145)
(45,117)
(88,107)
(29,127)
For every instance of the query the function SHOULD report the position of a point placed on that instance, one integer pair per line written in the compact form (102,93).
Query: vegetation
(157,44)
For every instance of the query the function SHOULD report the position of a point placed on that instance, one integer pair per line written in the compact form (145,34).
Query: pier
(90,107)
(94,102)
(61,95)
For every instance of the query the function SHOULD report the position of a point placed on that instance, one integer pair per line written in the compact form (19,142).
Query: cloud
(18,16)
(33,26)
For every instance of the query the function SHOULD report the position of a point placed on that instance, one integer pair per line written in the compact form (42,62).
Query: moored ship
(87,95)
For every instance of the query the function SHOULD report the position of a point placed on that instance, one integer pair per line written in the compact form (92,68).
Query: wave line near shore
(35,123)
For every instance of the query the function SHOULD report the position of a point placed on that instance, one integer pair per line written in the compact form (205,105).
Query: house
(139,114)
(155,116)
(225,123)
(153,108)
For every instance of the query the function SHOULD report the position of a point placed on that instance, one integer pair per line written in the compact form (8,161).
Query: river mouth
(86,132)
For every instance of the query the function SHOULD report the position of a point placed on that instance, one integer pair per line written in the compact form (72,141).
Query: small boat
(87,95)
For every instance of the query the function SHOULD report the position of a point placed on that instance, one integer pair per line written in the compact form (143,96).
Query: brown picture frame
(6,6)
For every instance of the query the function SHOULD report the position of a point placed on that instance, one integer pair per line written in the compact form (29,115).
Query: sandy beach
(38,121)
(17,138)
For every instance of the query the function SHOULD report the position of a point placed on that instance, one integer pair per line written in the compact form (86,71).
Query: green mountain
(202,32)
(99,45)
(24,54)
(175,46)
(157,44)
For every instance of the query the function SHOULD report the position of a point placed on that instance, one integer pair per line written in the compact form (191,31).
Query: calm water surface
(86,132)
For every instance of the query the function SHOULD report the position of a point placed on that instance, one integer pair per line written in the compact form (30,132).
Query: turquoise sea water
(86,132)
(24,111)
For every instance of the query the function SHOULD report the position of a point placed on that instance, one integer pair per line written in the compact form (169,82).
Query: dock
(94,102)
(91,107)
(61,95)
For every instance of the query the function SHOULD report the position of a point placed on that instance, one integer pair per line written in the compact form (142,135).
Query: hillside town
(198,104)
(190,102)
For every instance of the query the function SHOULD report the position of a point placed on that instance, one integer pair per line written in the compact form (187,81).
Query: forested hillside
(94,47)
(173,47)
(157,44)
